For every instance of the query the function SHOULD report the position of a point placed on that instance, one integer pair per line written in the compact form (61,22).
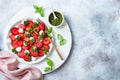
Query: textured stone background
(95,25)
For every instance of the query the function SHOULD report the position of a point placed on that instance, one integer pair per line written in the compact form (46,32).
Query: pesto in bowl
(56,21)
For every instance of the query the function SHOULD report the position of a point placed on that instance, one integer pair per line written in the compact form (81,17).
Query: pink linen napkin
(9,68)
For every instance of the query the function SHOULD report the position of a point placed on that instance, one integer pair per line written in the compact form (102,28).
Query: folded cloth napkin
(9,68)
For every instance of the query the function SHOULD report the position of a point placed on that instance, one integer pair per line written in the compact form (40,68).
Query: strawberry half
(46,47)
(40,53)
(21,35)
(35,35)
(20,42)
(41,26)
(14,44)
(21,54)
(34,54)
(21,26)
(30,24)
(12,37)
(14,30)
(25,47)
(46,40)
(27,58)
(38,44)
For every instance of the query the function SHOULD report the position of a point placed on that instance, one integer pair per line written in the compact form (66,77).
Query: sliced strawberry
(30,24)
(41,26)
(35,35)
(14,44)
(46,40)
(20,42)
(21,26)
(21,35)
(27,58)
(38,44)
(25,47)
(21,54)
(27,39)
(34,54)
(40,53)
(46,47)
(12,37)
(14,30)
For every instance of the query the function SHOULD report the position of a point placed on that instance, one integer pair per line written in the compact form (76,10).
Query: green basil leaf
(49,62)
(59,37)
(47,69)
(39,10)
(63,42)
(26,23)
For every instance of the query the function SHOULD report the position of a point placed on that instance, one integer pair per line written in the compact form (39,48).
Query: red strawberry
(14,44)
(41,26)
(47,47)
(40,53)
(27,39)
(21,35)
(30,24)
(20,42)
(35,35)
(27,58)
(21,54)
(34,54)
(46,40)
(38,44)
(21,26)
(25,47)
(14,30)
(12,37)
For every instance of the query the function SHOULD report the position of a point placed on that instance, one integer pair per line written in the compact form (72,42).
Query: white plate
(64,30)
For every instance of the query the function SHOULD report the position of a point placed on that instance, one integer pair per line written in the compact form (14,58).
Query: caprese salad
(29,40)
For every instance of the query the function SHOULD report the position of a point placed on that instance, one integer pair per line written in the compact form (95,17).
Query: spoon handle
(54,46)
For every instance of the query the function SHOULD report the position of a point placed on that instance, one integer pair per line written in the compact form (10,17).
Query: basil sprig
(39,10)
(62,41)
(50,65)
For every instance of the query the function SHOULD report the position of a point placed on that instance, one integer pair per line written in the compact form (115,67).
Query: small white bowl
(59,24)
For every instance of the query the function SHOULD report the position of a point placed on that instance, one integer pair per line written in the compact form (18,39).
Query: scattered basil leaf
(26,43)
(45,51)
(29,29)
(35,24)
(34,49)
(49,31)
(62,42)
(14,50)
(49,62)
(47,69)
(17,38)
(59,37)
(39,10)
(32,41)
(26,22)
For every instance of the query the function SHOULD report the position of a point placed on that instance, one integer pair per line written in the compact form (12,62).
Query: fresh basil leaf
(49,62)
(63,42)
(47,69)
(59,37)
(14,50)
(45,51)
(35,24)
(39,10)
(26,23)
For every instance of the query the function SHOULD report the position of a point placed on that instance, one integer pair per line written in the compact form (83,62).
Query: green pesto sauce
(57,21)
